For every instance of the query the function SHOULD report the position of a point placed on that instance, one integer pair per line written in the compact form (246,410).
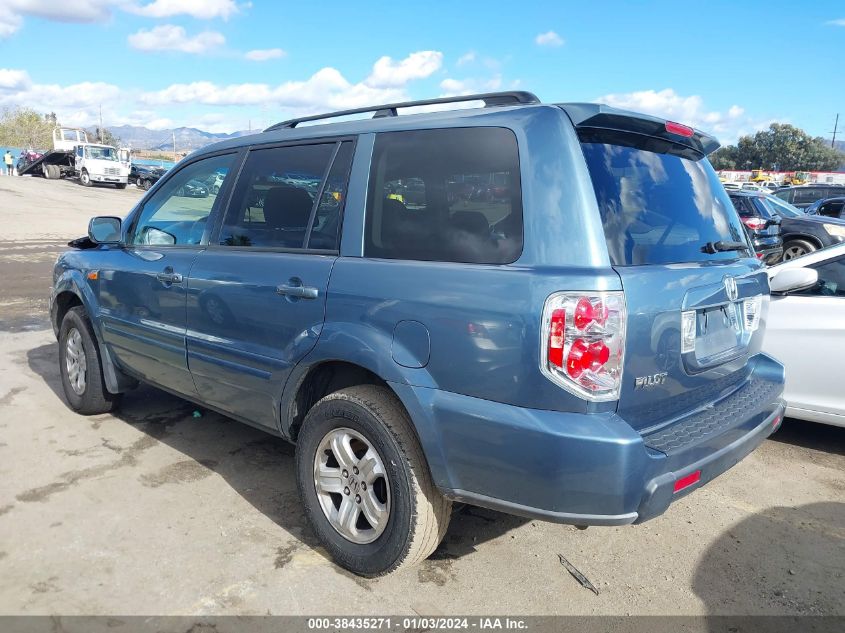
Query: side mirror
(792,279)
(104,229)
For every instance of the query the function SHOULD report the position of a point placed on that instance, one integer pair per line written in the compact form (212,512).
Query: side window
(177,214)
(325,233)
(785,195)
(274,197)
(445,195)
(806,195)
(831,279)
(831,209)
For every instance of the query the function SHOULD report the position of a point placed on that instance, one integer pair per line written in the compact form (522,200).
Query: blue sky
(222,65)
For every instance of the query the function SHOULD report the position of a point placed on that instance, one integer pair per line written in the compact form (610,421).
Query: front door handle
(169,278)
(297,290)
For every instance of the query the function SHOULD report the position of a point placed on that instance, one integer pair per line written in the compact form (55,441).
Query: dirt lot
(156,511)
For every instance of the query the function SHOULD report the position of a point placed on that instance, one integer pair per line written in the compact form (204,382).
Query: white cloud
(65,11)
(689,110)
(12,12)
(205,104)
(452,87)
(168,37)
(839,22)
(549,38)
(13,79)
(200,9)
(262,55)
(466,58)
(387,73)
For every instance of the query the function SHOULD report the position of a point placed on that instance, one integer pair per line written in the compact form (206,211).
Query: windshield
(782,208)
(661,208)
(100,152)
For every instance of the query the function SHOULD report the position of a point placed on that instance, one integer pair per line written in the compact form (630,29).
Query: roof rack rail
(490,99)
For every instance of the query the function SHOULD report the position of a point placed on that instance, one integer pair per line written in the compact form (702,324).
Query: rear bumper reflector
(687,481)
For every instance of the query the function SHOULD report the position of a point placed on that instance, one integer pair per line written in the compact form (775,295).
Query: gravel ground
(155,511)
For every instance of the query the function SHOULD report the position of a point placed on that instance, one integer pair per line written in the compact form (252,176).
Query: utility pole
(835,128)
(175,158)
(100,129)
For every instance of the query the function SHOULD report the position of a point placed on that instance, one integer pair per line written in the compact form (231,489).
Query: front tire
(120,185)
(365,484)
(796,248)
(80,366)
(85,178)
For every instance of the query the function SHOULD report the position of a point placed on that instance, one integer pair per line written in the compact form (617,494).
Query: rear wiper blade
(722,246)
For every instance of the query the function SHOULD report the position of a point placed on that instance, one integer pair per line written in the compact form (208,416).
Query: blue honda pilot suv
(548,310)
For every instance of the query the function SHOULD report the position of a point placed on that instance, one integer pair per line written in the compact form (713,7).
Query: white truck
(73,156)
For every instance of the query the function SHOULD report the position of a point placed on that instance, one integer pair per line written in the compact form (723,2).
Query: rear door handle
(300,291)
(169,278)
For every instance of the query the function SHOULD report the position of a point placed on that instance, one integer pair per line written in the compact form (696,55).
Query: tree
(24,127)
(782,147)
(105,137)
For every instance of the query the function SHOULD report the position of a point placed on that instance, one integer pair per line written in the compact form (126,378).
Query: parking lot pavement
(153,510)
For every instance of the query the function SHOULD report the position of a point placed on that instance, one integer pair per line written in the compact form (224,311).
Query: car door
(256,297)
(142,286)
(807,332)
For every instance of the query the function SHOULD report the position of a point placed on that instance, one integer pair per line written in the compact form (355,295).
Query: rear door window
(448,195)
(275,199)
(660,208)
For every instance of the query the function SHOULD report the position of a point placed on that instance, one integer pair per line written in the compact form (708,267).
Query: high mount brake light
(583,343)
(679,129)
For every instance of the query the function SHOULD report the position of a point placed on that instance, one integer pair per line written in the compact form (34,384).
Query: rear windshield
(660,208)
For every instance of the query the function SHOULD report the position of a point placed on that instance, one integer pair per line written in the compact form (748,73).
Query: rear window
(660,208)
(450,195)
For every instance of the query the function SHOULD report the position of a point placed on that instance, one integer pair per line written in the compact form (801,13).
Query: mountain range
(187,138)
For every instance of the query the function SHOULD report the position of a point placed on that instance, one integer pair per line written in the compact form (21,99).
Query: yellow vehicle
(758,175)
(797,178)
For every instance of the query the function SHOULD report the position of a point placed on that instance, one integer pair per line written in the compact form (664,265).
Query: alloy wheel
(76,364)
(351,484)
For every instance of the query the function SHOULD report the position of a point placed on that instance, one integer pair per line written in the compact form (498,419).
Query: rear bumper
(586,469)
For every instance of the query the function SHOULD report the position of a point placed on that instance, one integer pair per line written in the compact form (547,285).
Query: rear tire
(85,178)
(145,185)
(411,514)
(80,366)
(52,172)
(796,248)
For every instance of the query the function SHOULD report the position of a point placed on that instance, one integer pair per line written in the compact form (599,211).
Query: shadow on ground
(781,561)
(258,466)
(820,437)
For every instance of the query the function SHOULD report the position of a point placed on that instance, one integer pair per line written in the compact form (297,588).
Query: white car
(805,330)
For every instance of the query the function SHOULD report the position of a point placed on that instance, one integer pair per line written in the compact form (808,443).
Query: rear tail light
(583,343)
(751,311)
(755,224)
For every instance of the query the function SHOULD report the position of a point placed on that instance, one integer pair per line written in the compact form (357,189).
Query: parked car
(144,176)
(25,159)
(192,189)
(214,182)
(585,354)
(806,331)
(828,208)
(762,223)
(803,233)
(802,196)
(732,186)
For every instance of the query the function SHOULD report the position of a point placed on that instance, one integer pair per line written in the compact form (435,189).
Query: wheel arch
(313,381)
(811,239)
(70,291)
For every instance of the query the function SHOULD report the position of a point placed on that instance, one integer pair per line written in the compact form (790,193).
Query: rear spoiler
(600,117)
